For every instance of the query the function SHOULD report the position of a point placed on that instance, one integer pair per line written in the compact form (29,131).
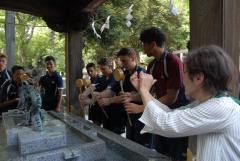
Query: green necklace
(222,94)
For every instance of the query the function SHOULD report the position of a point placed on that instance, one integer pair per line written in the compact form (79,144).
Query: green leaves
(145,13)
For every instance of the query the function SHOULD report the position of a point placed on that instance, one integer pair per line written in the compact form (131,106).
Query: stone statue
(30,103)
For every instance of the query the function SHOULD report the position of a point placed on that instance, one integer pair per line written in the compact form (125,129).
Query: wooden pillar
(216,22)
(74,65)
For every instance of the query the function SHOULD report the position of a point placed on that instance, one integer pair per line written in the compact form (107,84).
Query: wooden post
(74,66)
(217,22)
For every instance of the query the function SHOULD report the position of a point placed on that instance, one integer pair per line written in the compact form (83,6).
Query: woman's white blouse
(216,123)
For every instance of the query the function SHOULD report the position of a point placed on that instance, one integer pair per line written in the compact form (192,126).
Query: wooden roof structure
(60,15)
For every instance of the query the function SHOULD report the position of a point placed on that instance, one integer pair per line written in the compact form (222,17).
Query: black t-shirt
(50,85)
(104,83)
(4,75)
(127,85)
(8,91)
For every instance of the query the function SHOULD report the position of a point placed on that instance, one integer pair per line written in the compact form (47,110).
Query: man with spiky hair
(51,86)
(9,95)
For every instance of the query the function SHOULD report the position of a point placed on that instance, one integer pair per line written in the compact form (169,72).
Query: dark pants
(95,114)
(133,132)
(116,128)
(116,119)
(49,104)
(175,148)
(8,108)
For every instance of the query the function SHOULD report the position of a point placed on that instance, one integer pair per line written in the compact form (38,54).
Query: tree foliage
(33,41)
(146,13)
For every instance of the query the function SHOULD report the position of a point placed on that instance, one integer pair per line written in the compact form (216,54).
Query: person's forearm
(107,93)
(170,97)
(146,96)
(8,103)
(116,99)
(165,108)
(141,108)
(86,92)
(136,97)
(167,100)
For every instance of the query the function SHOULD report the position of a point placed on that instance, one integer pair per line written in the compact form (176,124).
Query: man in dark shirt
(9,90)
(167,69)
(4,73)
(115,121)
(51,87)
(128,58)
(95,112)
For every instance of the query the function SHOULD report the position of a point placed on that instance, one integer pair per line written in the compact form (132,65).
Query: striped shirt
(216,123)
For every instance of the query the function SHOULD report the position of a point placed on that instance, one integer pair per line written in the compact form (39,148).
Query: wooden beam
(93,5)
(61,15)
(36,8)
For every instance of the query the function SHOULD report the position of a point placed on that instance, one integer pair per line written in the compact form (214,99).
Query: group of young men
(124,105)
(114,106)
(120,106)
(51,85)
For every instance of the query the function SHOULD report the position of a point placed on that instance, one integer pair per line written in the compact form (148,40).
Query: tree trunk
(10,37)
(52,39)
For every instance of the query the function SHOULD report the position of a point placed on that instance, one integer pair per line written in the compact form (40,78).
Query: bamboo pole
(119,76)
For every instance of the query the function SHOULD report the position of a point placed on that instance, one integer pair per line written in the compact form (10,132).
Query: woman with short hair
(214,116)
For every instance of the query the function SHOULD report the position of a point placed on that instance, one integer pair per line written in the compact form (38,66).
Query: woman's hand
(146,81)
(143,81)
(135,80)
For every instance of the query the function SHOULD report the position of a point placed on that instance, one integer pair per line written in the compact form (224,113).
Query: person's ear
(199,78)
(110,67)
(133,58)
(153,44)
